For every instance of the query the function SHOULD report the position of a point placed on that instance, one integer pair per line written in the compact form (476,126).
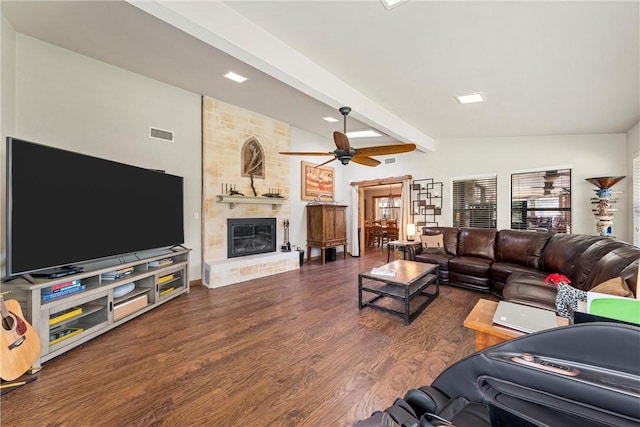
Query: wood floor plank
(286,350)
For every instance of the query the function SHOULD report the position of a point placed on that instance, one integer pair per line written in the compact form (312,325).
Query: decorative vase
(603,210)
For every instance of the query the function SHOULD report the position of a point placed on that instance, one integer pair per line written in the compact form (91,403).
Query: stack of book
(161,262)
(64,315)
(59,334)
(165,279)
(117,274)
(379,271)
(62,289)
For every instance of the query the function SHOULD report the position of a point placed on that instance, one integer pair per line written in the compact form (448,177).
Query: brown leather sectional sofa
(513,264)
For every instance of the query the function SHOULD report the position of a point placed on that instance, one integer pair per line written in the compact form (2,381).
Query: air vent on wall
(165,135)
(390,161)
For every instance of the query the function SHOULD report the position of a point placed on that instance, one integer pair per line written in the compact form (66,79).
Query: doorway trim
(359,186)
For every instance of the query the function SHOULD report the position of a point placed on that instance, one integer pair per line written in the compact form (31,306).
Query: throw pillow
(567,299)
(432,244)
(616,286)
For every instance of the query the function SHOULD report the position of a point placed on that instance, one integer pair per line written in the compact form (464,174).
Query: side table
(480,319)
(409,246)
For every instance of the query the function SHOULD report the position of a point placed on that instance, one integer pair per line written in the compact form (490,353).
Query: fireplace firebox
(250,236)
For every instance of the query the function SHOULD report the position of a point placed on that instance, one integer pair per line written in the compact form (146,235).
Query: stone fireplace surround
(225,128)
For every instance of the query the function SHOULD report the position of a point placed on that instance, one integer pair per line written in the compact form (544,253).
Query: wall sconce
(411,232)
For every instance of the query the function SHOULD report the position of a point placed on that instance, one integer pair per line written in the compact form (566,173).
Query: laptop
(523,317)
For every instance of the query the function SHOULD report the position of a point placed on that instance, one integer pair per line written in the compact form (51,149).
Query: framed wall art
(316,181)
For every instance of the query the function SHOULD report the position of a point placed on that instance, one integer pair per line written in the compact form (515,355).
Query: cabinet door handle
(110,305)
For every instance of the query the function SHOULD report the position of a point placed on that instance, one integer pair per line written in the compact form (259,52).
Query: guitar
(19,342)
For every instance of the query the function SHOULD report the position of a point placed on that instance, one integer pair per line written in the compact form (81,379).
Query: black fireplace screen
(250,236)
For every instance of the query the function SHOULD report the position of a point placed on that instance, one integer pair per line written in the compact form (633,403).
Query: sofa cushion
(432,244)
(520,247)
(562,252)
(437,258)
(450,237)
(622,261)
(588,259)
(470,272)
(477,242)
(616,286)
(472,282)
(530,290)
(470,265)
(500,271)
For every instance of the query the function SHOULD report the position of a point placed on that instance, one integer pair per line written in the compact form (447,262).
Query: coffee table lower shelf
(384,288)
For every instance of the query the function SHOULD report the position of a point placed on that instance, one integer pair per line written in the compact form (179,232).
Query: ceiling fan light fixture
(235,77)
(471,98)
(369,133)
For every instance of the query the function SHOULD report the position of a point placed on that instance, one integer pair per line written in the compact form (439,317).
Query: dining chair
(377,235)
(393,232)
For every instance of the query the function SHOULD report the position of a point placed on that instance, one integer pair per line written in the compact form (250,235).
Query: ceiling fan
(550,177)
(346,153)
(550,189)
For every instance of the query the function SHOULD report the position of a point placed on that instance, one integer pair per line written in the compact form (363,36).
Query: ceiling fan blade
(328,161)
(382,150)
(364,160)
(342,141)
(307,153)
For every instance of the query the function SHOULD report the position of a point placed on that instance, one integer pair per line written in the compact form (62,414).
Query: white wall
(587,156)
(301,140)
(70,101)
(7,117)
(633,150)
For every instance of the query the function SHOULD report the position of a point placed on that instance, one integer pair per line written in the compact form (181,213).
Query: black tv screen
(66,208)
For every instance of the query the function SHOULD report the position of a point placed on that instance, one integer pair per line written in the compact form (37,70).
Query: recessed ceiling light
(363,134)
(392,3)
(471,98)
(235,77)
(330,119)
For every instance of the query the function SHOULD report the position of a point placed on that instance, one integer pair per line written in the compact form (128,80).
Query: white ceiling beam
(225,29)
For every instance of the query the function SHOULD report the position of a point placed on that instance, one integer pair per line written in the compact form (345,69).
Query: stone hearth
(225,272)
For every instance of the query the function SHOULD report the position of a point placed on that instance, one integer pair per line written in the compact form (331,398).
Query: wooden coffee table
(410,281)
(480,319)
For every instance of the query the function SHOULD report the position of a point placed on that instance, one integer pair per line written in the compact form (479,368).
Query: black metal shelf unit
(426,201)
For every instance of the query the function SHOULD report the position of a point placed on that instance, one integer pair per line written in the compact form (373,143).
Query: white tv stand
(64,321)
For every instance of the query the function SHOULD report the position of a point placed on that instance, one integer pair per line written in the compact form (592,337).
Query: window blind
(541,200)
(475,202)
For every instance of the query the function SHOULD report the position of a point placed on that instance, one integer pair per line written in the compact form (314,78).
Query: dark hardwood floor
(287,350)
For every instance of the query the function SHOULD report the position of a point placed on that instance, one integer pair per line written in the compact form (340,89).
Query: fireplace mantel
(233,200)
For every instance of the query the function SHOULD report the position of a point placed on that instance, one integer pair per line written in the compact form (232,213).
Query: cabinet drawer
(130,306)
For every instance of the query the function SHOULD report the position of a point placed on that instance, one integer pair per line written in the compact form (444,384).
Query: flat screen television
(66,208)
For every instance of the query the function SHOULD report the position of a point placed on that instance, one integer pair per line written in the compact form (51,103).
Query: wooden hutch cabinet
(326,228)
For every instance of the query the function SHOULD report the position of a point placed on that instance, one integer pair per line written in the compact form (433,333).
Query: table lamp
(411,232)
